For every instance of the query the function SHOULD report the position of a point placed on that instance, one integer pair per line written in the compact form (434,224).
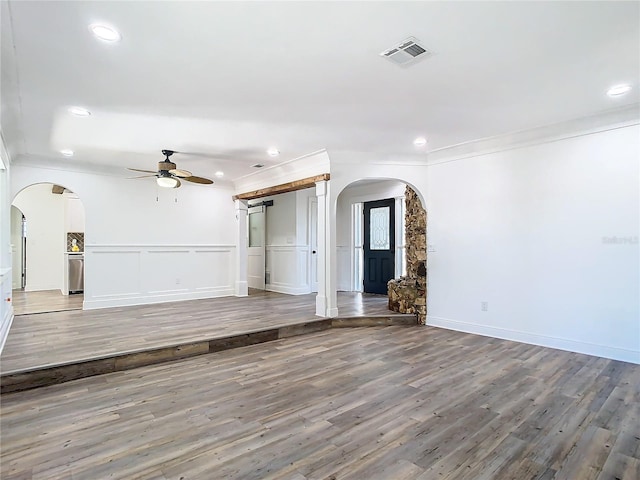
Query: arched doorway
(402,241)
(358,248)
(52,239)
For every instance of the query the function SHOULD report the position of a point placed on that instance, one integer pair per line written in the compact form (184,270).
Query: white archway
(350,228)
(54,216)
(348,168)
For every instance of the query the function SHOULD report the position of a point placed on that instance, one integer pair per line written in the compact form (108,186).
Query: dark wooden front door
(379,245)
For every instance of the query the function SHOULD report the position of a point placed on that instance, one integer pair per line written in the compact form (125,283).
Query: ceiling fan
(169,176)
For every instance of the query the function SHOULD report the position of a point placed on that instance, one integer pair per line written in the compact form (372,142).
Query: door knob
(313,251)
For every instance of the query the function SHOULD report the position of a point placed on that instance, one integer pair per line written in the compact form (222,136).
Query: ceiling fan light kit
(168,182)
(169,176)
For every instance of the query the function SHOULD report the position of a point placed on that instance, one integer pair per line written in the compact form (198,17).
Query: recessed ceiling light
(66,152)
(219,174)
(273,152)
(618,90)
(79,111)
(104,32)
(420,142)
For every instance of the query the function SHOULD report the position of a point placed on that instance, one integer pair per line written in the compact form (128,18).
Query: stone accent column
(415,220)
(408,294)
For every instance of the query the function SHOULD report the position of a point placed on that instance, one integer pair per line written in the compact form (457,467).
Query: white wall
(142,250)
(547,234)
(46,238)
(281,219)
(544,228)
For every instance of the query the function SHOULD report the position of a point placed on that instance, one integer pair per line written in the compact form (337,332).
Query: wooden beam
(284,188)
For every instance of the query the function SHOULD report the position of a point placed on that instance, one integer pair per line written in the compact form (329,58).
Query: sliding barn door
(256,250)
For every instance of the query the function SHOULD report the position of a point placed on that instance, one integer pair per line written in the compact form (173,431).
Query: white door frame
(313,244)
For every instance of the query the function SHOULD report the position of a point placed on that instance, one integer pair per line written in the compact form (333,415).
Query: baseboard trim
(288,289)
(614,353)
(152,299)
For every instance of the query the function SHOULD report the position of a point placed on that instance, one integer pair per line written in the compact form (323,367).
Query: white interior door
(313,244)
(256,247)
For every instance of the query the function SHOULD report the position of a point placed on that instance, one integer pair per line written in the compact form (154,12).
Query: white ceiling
(228,80)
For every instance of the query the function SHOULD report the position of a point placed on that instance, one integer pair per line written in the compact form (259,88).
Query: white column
(326,300)
(241,286)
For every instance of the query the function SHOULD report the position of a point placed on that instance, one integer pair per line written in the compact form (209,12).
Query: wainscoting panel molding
(287,267)
(6,310)
(345,274)
(120,275)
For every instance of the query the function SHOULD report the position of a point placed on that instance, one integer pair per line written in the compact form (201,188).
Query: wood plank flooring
(385,403)
(64,337)
(44,301)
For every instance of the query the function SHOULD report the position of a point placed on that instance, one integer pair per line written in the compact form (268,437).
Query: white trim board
(125,300)
(605,351)
(609,120)
(6,327)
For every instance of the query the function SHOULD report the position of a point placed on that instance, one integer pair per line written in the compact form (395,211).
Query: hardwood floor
(386,403)
(44,301)
(63,337)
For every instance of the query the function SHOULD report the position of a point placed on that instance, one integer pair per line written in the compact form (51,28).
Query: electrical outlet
(484,306)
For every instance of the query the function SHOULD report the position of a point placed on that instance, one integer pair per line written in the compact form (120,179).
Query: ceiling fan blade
(180,173)
(144,171)
(177,184)
(202,180)
(141,176)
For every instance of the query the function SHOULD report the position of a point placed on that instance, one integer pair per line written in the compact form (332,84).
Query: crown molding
(608,120)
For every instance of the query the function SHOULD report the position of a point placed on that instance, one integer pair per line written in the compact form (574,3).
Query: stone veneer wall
(408,294)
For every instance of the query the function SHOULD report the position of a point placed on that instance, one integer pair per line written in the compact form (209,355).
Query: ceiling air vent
(257,165)
(407,52)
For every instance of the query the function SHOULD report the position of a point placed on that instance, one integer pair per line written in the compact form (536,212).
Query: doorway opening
(47,236)
(350,232)
(282,243)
